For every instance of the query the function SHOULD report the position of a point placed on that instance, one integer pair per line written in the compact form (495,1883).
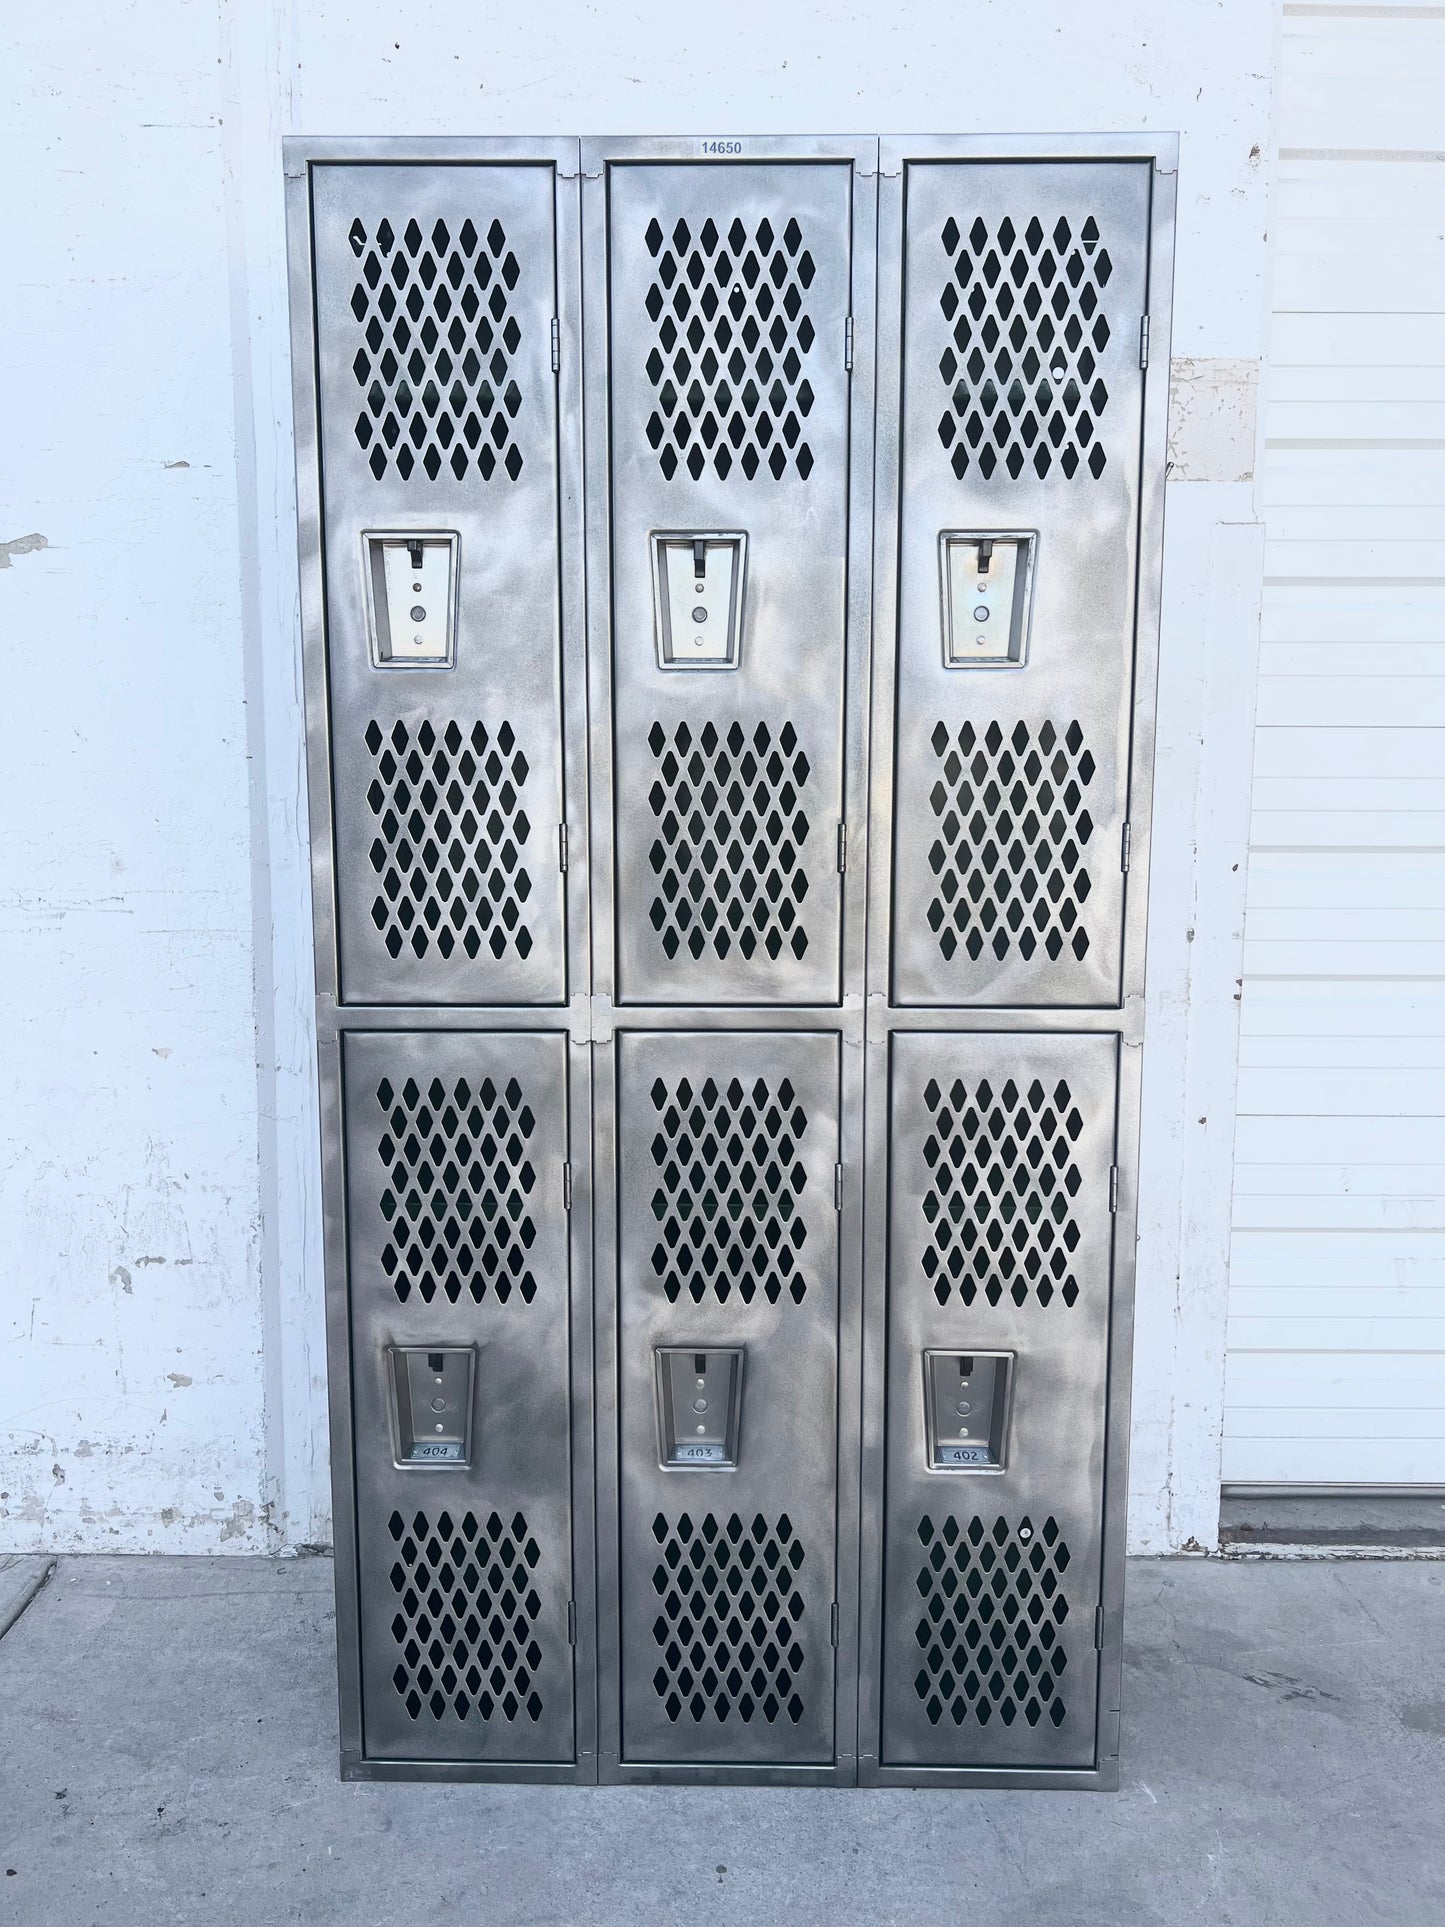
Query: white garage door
(1336,1370)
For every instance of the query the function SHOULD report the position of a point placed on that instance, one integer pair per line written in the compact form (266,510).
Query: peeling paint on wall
(1213,408)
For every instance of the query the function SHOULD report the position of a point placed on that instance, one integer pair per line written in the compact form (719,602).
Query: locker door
(1025,287)
(458,1259)
(728,1244)
(999,1266)
(729,296)
(435,298)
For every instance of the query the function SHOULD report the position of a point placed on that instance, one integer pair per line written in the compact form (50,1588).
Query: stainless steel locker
(1025,289)
(435,299)
(457,1238)
(727,1148)
(1000,1228)
(729,878)
(1024,292)
(729,464)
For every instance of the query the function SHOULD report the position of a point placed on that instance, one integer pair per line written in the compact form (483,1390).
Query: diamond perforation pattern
(729,353)
(1022,371)
(731,829)
(450,837)
(1007,857)
(1001,1180)
(438,343)
(729,1183)
(993,1609)
(466,1610)
(455,1193)
(728,1618)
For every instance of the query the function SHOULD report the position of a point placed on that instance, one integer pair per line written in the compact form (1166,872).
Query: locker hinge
(842,847)
(1143,341)
(833,1623)
(848,344)
(837,1187)
(556,344)
(567,1185)
(1113,1187)
(562,846)
(1125,844)
(1098,1629)
(571,1622)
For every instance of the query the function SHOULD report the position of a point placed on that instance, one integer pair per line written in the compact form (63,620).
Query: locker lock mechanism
(987,582)
(699,1407)
(697,599)
(411,597)
(431,1404)
(966,1410)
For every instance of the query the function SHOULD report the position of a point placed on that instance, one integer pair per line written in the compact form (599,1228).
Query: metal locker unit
(729,434)
(802,869)
(1023,357)
(437,356)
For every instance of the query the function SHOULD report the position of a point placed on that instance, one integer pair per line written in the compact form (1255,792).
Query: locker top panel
(729,291)
(436,293)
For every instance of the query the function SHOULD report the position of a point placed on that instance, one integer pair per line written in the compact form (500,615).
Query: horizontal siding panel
(1346,612)
(1330,339)
(1267,1136)
(1282,1211)
(1412,1380)
(1376,482)
(1352,523)
(1396,959)
(1340,1092)
(1335,754)
(1382,795)
(1367,381)
(1353,1335)
(1374,558)
(1325,1422)
(1361,662)
(1396,702)
(1352,1010)
(1345,882)
(1319,1180)
(1335,1051)
(1349,829)
(1358,1460)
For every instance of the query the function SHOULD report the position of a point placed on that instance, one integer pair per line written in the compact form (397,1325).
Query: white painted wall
(155,896)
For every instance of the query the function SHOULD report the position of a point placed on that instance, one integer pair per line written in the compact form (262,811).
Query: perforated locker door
(1022,398)
(1000,1240)
(435,292)
(729,291)
(457,1236)
(728,1238)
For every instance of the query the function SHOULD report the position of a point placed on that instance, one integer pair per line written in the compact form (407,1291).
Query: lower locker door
(728,1263)
(1000,1258)
(459,1290)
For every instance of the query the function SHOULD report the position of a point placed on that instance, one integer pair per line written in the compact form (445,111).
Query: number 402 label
(722,147)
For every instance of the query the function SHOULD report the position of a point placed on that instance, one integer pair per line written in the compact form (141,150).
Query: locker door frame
(334,1018)
(1125,1020)
(598,155)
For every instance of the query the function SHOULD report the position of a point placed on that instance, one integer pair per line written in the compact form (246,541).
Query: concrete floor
(168,1755)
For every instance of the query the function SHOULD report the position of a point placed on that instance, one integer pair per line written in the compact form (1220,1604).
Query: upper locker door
(435,295)
(1025,287)
(729,294)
